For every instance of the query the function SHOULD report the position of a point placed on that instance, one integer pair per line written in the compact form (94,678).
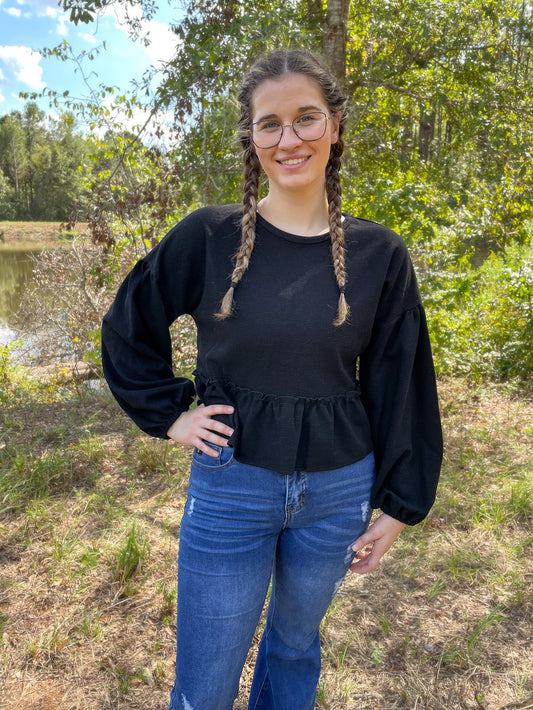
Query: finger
(212,438)
(203,446)
(366,560)
(215,426)
(379,548)
(363,566)
(212,409)
(364,551)
(362,541)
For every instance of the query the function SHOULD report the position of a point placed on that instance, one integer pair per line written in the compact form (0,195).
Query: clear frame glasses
(310,126)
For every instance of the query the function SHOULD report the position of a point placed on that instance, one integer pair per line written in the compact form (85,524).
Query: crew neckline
(288,236)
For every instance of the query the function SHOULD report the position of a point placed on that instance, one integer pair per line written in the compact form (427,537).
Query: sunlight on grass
(89,533)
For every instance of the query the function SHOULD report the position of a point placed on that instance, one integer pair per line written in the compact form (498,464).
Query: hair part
(272,66)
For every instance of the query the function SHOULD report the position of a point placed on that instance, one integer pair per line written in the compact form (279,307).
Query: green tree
(40,162)
(441,98)
(58,191)
(442,106)
(13,155)
(34,138)
(438,145)
(7,198)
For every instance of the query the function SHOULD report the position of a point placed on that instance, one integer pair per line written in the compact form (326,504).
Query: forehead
(286,93)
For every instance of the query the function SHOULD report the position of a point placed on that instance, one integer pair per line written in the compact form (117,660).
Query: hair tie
(234,284)
(342,289)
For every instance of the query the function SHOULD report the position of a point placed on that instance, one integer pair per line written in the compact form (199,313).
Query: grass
(89,533)
(36,235)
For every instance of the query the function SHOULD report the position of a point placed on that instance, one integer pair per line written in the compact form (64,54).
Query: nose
(288,137)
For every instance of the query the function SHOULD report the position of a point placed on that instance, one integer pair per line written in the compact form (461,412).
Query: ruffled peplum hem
(286,434)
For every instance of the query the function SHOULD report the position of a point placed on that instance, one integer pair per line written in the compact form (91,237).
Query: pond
(16,269)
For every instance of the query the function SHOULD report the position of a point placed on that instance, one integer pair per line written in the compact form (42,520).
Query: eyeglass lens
(308,127)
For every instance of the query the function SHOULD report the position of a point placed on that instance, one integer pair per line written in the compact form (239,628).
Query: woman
(316,392)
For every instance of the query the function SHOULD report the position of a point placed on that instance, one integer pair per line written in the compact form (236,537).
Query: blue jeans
(242,527)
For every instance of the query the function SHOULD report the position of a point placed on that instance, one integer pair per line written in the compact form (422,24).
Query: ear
(335,123)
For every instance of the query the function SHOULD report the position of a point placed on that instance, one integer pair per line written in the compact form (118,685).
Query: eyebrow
(300,110)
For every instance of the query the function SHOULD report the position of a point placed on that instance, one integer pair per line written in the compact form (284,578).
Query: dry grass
(35,235)
(88,549)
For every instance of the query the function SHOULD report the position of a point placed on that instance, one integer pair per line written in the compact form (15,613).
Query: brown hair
(274,65)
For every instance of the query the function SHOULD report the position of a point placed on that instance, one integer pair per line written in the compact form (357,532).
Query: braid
(338,248)
(252,170)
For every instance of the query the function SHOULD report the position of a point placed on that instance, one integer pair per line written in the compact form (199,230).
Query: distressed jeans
(244,527)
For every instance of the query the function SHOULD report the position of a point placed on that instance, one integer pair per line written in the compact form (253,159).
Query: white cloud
(62,28)
(90,39)
(24,63)
(53,13)
(163,41)
(43,7)
(13,11)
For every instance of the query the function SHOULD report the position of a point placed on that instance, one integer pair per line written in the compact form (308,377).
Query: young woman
(315,387)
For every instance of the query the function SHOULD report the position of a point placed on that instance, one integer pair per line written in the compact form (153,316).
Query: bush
(481,321)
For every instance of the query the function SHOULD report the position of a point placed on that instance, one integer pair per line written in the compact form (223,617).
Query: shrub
(481,320)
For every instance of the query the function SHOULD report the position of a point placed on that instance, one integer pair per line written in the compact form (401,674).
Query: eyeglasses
(307,127)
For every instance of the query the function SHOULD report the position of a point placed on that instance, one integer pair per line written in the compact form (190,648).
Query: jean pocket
(222,460)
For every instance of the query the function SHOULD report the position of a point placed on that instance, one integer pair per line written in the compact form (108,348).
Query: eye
(307,119)
(268,126)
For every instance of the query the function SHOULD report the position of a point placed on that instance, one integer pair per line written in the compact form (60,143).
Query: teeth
(294,161)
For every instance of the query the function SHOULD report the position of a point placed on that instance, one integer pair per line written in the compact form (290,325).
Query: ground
(35,235)
(89,533)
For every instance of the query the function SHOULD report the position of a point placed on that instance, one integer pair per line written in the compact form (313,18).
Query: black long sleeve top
(308,395)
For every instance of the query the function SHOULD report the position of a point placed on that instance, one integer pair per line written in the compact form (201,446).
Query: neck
(295,212)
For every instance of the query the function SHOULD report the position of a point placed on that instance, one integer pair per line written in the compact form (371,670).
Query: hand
(374,543)
(195,427)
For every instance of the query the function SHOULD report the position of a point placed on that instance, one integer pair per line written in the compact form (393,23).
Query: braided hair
(275,65)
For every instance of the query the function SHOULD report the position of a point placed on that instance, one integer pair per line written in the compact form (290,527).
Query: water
(16,270)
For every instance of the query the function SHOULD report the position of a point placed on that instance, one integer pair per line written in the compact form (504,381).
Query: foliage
(39,160)
(438,146)
(7,368)
(482,320)
(130,556)
(7,197)
(135,190)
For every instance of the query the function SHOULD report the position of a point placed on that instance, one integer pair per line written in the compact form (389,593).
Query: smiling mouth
(293,161)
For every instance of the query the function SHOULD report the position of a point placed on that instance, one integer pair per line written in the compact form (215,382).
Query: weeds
(168,607)
(130,557)
(493,618)
(89,626)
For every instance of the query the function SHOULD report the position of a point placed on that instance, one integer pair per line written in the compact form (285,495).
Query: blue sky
(26,26)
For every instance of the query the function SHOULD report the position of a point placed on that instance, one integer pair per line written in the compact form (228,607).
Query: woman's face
(294,164)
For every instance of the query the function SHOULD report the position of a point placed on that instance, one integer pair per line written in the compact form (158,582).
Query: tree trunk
(336,36)
(425,135)
(15,169)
